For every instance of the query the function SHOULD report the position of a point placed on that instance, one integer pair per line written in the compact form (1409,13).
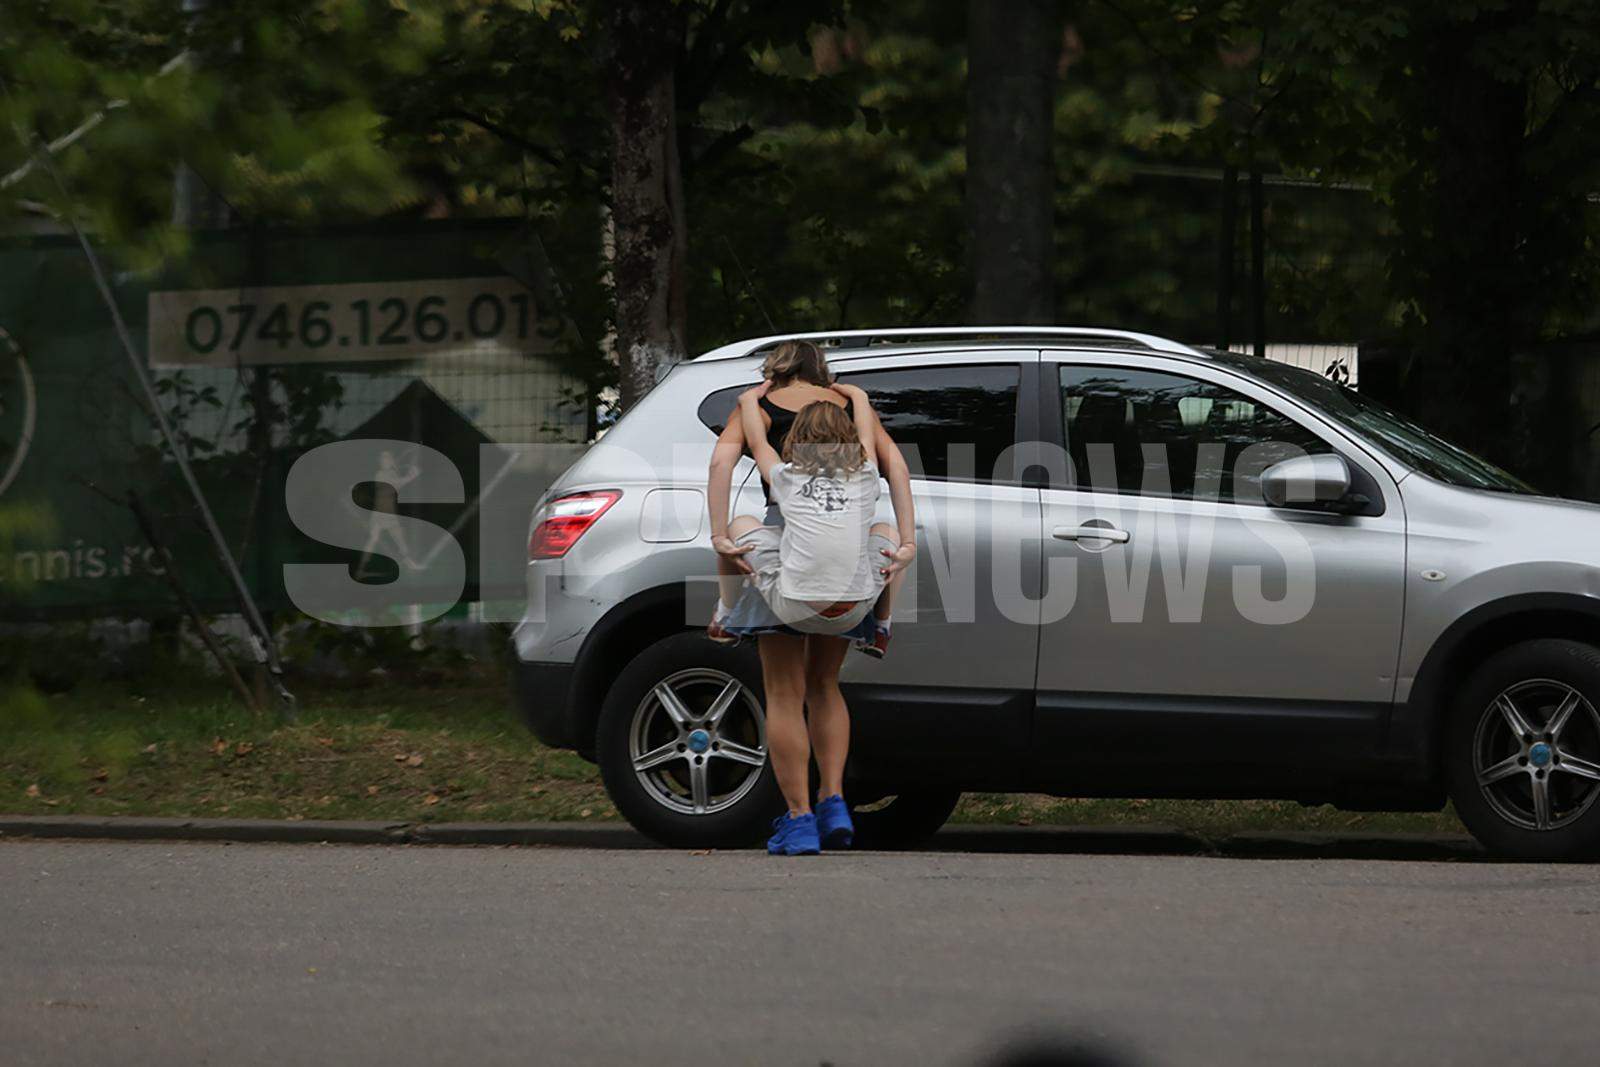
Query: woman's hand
(733,552)
(900,558)
(850,392)
(752,395)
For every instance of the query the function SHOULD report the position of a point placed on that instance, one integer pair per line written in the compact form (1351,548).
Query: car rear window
(953,423)
(716,408)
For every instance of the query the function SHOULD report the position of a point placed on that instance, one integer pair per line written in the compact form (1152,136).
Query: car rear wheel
(905,819)
(682,745)
(1523,751)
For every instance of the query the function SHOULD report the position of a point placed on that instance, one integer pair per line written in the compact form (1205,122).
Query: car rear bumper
(543,696)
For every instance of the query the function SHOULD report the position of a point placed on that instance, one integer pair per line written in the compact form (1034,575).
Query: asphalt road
(302,954)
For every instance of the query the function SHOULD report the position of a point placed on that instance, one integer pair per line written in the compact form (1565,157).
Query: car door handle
(1090,533)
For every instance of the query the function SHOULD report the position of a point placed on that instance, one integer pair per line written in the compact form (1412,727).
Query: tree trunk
(646,191)
(194,205)
(1012,50)
(1475,310)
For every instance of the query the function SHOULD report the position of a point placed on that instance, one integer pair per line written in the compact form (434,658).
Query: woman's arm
(719,488)
(892,465)
(755,430)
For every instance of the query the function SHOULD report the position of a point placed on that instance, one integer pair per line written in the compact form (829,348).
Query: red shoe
(720,635)
(878,647)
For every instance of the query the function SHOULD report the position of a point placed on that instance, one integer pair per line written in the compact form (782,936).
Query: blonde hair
(823,439)
(797,361)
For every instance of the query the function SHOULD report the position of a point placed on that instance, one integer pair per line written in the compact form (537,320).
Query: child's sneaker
(878,646)
(719,633)
(834,827)
(795,835)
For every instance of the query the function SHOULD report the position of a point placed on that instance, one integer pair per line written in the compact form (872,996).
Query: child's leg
(885,604)
(730,579)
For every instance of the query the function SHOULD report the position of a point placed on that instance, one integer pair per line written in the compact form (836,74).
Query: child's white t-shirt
(826,520)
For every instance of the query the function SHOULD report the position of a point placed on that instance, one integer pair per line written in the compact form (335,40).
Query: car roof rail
(847,339)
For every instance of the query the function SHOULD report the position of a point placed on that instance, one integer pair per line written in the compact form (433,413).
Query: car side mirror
(1310,483)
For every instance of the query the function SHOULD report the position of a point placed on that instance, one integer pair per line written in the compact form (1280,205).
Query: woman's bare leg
(730,579)
(829,717)
(783,670)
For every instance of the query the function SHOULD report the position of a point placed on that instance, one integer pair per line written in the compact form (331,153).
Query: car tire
(1499,761)
(904,820)
(636,725)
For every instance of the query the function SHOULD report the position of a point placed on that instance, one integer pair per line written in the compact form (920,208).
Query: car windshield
(1405,439)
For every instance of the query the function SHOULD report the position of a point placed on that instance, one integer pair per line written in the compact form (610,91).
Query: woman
(805,710)
(797,374)
(818,571)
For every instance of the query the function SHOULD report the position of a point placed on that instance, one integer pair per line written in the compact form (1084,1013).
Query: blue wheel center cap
(699,741)
(1539,755)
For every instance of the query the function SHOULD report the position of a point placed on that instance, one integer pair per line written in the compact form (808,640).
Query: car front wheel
(1523,751)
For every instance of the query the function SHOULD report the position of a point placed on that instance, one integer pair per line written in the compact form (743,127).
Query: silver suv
(1144,570)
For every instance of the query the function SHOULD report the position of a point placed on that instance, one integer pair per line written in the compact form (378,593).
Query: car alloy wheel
(698,741)
(1536,754)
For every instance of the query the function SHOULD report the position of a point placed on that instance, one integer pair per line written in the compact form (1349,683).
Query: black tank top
(778,432)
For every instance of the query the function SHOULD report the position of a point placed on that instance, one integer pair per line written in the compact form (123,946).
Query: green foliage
(822,146)
(25,520)
(271,102)
(838,214)
(391,651)
(1372,93)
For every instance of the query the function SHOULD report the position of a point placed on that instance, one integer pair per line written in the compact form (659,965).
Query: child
(820,571)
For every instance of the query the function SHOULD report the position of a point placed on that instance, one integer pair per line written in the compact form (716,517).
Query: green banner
(432,337)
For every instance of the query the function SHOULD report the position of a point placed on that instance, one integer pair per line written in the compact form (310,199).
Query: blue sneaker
(833,823)
(796,835)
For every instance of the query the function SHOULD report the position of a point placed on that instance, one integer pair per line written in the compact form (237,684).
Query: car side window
(716,408)
(1157,434)
(953,423)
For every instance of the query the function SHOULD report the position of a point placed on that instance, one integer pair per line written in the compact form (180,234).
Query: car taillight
(565,519)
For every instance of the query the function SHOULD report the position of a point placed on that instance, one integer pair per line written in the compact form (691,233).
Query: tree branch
(697,78)
(722,145)
(1155,50)
(511,137)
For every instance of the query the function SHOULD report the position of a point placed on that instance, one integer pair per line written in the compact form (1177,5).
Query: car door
(1208,635)
(954,693)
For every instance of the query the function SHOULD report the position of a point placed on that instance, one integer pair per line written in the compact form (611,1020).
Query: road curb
(959,837)
(1377,846)
(331,831)
(141,828)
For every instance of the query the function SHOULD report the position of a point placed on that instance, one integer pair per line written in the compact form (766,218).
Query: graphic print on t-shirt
(829,493)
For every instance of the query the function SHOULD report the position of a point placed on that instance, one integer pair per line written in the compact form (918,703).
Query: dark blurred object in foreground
(1057,1050)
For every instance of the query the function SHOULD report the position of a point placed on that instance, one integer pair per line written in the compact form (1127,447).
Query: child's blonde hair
(797,361)
(824,439)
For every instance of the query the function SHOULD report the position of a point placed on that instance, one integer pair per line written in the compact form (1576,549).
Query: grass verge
(454,752)
(379,752)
